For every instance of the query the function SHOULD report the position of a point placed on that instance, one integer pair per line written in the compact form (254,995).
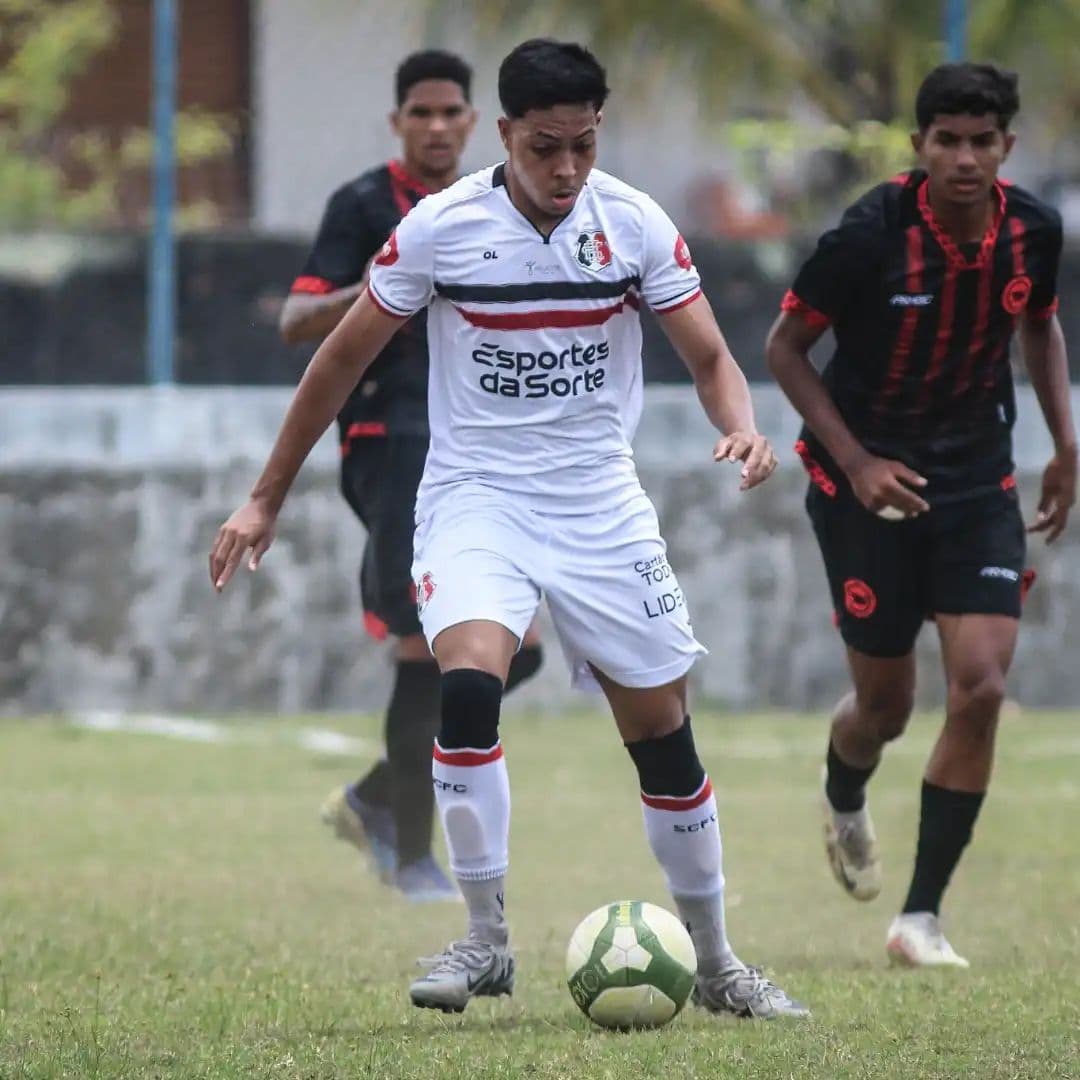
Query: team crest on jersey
(389,253)
(425,590)
(682,253)
(593,250)
(1016,295)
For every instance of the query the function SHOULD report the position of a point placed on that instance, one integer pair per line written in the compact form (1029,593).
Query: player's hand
(888,488)
(251,528)
(753,451)
(1058,495)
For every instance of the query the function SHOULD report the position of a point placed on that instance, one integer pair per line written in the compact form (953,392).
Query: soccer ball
(630,965)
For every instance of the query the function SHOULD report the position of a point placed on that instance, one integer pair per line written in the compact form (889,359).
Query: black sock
(945,826)
(403,781)
(845,785)
(374,786)
(525,665)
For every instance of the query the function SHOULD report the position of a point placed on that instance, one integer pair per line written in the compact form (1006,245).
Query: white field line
(192,729)
(1012,743)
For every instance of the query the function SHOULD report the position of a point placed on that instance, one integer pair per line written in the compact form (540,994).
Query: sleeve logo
(593,251)
(682,253)
(389,254)
(1016,295)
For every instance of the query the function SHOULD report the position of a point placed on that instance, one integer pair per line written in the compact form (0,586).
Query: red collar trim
(948,244)
(401,176)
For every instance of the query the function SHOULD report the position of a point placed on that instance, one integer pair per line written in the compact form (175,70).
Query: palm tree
(853,59)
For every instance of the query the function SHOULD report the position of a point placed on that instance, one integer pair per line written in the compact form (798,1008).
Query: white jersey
(535,342)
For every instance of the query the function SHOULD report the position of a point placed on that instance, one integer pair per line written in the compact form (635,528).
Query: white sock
(685,838)
(484,900)
(472,791)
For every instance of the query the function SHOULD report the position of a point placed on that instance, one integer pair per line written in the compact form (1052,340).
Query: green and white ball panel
(630,964)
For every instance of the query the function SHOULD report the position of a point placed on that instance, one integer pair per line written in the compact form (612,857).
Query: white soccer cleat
(466,969)
(916,940)
(851,845)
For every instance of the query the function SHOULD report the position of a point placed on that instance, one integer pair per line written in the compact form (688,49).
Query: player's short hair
(975,89)
(432,64)
(542,72)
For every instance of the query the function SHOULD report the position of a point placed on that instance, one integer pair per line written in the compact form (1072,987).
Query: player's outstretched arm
(1043,345)
(880,484)
(334,370)
(310,318)
(721,387)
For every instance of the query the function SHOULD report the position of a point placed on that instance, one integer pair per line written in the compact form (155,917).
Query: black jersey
(921,370)
(392,395)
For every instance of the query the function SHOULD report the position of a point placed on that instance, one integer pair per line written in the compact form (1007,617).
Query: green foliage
(855,63)
(47,46)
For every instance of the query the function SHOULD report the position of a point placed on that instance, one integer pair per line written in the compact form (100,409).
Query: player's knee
(976,695)
(471,700)
(668,765)
(886,710)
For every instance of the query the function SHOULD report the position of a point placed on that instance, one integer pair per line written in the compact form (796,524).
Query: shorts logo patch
(1016,294)
(389,253)
(859,598)
(425,590)
(1003,573)
(682,253)
(593,251)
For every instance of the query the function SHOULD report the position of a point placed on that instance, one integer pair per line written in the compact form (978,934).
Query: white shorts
(613,597)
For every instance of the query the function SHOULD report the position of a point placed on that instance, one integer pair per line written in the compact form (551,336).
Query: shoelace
(459,956)
(746,987)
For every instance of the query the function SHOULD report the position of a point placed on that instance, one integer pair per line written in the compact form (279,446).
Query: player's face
(434,122)
(962,155)
(551,153)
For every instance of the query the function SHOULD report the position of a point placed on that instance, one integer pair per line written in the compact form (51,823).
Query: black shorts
(886,578)
(379,478)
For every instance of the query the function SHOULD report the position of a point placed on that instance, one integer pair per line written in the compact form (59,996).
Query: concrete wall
(109,500)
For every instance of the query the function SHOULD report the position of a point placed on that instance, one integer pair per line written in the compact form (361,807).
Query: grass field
(174,909)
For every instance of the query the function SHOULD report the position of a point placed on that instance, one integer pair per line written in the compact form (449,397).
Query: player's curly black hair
(432,64)
(543,72)
(976,89)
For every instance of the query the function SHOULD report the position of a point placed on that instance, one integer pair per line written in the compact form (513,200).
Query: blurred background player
(530,491)
(384,437)
(908,444)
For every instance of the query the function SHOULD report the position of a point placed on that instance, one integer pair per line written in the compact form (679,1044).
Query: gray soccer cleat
(745,992)
(851,845)
(467,969)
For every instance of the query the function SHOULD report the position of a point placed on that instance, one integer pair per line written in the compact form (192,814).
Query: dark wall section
(88,324)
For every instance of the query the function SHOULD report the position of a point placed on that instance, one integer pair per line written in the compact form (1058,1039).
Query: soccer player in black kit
(384,436)
(907,440)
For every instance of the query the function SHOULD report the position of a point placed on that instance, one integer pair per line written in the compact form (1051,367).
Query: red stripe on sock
(671,802)
(467,757)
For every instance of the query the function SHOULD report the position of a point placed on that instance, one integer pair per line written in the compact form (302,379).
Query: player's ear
(918,140)
(395,121)
(1010,142)
(599,116)
(504,132)
(474,115)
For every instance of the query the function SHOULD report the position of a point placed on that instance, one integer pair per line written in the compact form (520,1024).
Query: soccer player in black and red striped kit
(907,440)
(384,435)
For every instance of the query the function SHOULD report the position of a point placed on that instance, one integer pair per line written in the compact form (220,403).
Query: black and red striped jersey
(358,218)
(921,370)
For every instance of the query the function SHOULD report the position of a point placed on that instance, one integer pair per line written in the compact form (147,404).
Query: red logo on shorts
(425,590)
(859,598)
(682,253)
(1016,295)
(389,254)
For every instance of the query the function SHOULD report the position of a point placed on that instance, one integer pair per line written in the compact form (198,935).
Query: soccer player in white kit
(533,273)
